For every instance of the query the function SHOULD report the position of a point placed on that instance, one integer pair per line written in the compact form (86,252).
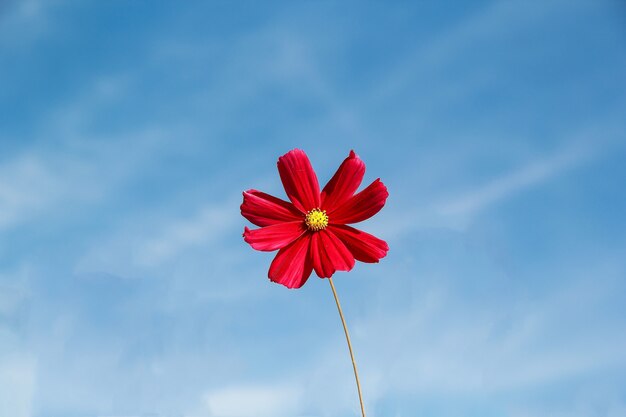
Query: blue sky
(129,129)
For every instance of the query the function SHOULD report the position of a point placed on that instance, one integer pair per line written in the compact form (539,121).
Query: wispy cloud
(436,52)
(531,174)
(156,240)
(27,186)
(208,225)
(18,382)
(24,21)
(42,180)
(254,400)
(442,209)
(501,346)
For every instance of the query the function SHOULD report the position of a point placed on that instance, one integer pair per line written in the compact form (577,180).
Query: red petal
(265,210)
(329,254)
(364,247)
(299,180)
(361,206)
(292,266)
(344,183)
(274,237)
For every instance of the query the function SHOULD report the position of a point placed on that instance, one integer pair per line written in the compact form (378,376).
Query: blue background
(129,129)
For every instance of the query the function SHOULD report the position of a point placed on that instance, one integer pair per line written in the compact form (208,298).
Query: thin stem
(345,329)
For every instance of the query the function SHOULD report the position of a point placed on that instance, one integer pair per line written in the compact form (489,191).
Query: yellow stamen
(316,219)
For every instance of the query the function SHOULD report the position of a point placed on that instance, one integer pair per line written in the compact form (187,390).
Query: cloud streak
(254,400)
(530,175)
(18,381)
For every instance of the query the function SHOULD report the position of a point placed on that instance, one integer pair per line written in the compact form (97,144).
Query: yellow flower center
(316,219)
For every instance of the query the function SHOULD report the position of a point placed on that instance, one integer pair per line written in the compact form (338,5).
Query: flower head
(311,231)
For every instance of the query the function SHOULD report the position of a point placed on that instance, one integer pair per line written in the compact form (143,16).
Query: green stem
(345,329)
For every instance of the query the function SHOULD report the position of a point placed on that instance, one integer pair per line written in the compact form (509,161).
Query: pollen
(316,219)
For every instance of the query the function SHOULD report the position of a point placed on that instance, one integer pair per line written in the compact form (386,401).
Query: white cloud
(458,211)
(27,187)
(74,165)
(154,241)
(442,344)
(17,384)
(24,21)
(254,401)
(207,225)
(14,291)
(41,180)
(533,173)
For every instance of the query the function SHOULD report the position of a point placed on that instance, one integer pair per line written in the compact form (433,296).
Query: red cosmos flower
(312,232)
